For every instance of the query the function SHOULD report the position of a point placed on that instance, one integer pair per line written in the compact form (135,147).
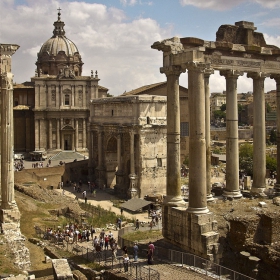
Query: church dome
(59,43)
(58,52)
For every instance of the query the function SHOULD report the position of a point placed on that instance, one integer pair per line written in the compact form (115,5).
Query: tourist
(135,252)
(151,247)
(150,256)
(106,240)
(125,262)
(124,250)
(137,224)
(114,250)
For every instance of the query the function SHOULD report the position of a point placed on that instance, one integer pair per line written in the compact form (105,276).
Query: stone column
(84,134)
(100,168)
(119,147)
(232,149)
(77,134)
(277,185)
(132,192)
(61,135)
(37,134)
(197,146)
(207,74)
(259,132)
(173,168)
(57,134)
(7,141)
(50,133)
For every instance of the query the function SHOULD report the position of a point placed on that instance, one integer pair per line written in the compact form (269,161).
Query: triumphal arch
(238,49)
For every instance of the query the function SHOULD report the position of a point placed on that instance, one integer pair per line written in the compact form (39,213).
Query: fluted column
(232,149)
(259,132)
(197,146)
(77,134)
(173,168)
(100,154)
(207,74)
(7,141)
(277,185)
(50,133)
(57,134)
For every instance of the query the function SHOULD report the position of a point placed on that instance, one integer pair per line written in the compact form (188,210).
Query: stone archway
(111,161)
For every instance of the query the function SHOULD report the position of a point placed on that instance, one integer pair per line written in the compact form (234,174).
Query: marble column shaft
(7,141)
(259,132)
(232,149)
(77,133)
(37,134)
(207,134)
(84,134)
(50,133)
(277,185)
(173,168)
(119,151)
(57,134)
(132,160)
(197,144)
(100,144)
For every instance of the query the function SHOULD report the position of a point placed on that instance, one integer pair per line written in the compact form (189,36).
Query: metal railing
(139,270)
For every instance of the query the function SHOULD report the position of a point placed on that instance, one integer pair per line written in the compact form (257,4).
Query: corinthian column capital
(231,73)
(172,70)
(257,75)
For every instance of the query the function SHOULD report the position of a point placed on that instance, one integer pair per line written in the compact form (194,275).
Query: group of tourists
(135,248)
(18,165)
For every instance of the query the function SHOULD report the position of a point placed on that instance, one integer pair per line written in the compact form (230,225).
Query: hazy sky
(114,37)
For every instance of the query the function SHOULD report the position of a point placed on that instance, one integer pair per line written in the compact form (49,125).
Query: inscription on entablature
(272,65)
(232,62)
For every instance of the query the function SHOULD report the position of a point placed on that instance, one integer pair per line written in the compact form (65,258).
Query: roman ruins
(238,48)
(9,212)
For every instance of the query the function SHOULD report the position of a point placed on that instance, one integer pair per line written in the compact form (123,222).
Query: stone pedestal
(132,191)
(196,233)
(10,218)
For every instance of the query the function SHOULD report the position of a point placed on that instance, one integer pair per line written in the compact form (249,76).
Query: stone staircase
(67,155)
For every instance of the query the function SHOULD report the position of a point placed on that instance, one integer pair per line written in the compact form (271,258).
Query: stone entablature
(128,144)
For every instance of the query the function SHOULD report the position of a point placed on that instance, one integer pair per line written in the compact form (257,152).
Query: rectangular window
(184,127)
(159,162)
(66,100)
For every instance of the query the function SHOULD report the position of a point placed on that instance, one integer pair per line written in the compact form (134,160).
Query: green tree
(218,114)
(109,95)
(268,108)
(223,107)
(273,136)
(246,158)
(271,163)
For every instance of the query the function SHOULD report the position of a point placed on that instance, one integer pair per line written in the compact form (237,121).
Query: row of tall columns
(7,141)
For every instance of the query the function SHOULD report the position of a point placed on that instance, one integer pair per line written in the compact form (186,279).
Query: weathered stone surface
(61,269)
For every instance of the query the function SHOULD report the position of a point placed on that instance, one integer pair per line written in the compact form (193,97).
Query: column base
(232,194)
(193,210)
(209,198)
(277,189)
(174,201)
(259,192)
